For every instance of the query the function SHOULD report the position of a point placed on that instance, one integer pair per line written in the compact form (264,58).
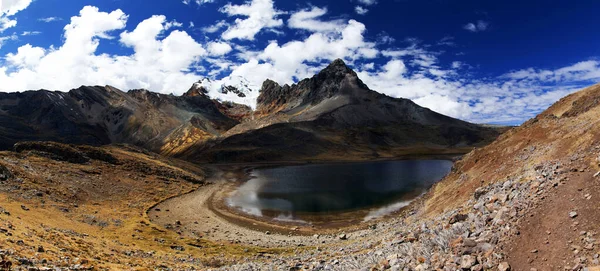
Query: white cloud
(218,48)
(49,19)
(477,27)
(9,8)
(285,62)
(30,33)
(308,19)
(457,65)
(510,98)
(8,38)
(173,24)
(585,70)
(360,10)
(191,25)
(198,2)
(27,56)
(260,14)
(215,27)
(157,64)
(367,2)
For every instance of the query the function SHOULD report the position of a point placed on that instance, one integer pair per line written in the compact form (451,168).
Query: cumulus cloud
(283,63)
(219,48)
(308,19)
(158,64)
(260,14)
(477,27)
(8,9)
(360,10)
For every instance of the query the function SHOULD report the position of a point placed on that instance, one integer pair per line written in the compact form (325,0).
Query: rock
(479,192)
(267,232)
(343,236)
(177,222)
(5,174)
(469,242)
(467,261)
(458,218)
(24,208)
(504,266)
(41,249)
(179,248)
(597,174)
(573,214)
(422,267)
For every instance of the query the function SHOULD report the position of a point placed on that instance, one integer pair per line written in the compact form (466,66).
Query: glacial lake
(288,192)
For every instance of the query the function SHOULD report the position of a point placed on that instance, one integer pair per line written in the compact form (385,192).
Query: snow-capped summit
(235,89)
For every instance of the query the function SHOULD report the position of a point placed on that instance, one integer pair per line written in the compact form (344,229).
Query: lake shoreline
(220,222)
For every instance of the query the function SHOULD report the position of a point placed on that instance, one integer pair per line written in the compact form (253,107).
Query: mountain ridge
(333,107)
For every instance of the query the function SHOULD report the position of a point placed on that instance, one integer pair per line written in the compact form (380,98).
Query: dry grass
(96,213)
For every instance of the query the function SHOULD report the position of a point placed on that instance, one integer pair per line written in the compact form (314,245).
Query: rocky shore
(471,237)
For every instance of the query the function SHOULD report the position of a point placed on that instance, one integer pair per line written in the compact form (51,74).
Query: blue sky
(482,61)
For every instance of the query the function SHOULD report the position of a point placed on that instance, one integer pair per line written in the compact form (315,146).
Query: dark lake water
(330,188)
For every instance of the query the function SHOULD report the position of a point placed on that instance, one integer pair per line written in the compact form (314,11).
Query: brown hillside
(566,135)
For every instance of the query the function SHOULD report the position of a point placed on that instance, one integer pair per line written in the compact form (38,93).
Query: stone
(179,248)
(458,218)
(469,242)
(467,261)
(24,208)
(479,192)
(504,266)
(573,214)
(343,236)
(422,267)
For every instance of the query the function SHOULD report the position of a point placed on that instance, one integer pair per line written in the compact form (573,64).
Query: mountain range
(331,116)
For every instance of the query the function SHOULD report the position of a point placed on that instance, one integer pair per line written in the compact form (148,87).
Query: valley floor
(118,208)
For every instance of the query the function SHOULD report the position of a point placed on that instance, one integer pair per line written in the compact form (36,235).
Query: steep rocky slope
(103,115)
(334,115)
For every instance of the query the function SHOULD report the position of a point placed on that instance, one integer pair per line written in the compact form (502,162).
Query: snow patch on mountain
(235,89)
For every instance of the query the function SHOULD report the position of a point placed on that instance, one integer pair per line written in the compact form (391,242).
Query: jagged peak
(269,84)
(337,66)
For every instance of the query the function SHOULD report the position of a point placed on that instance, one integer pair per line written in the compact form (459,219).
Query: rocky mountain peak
(336,68)
(197,89)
